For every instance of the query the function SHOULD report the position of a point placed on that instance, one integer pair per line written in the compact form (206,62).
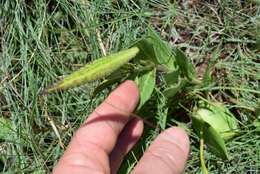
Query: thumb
(167,154)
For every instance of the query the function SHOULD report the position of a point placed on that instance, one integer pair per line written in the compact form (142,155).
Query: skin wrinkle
(88,168)
(123,112)
(163,151)
(159,156)
(112,123)
(80,170)
(175,143)
(173,140)
(115,128)
(84,167)
(109,124)
(78,136)
(89,144)
(114,132)
(92,163)
(123,101)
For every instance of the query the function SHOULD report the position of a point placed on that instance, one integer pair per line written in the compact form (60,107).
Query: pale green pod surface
(95,70)
(220,118)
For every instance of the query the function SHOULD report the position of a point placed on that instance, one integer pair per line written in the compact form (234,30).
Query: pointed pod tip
(43,92)
(136,49)
(49,90)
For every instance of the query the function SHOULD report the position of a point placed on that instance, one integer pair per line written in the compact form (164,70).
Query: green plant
(213,123)
(43,40)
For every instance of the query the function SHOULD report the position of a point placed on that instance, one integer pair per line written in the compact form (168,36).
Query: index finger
(93,142)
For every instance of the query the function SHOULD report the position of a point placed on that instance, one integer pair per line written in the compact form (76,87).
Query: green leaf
(153,48)
(146,84)
(174,89)
(162,50)
(219,117)
(146,50)
(217,123)
(207,78)
(185,65)
(212,138)
(172,77)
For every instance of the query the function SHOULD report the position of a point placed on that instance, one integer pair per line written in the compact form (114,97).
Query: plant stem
(202,160)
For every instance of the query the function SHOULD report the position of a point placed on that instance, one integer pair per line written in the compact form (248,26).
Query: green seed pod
(219,117)
(95,70)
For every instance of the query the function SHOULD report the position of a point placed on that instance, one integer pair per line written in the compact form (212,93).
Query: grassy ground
(42,40)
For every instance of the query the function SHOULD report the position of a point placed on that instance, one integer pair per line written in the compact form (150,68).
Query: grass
(43,40)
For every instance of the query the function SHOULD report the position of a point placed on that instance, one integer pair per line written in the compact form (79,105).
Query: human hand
(100,144)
